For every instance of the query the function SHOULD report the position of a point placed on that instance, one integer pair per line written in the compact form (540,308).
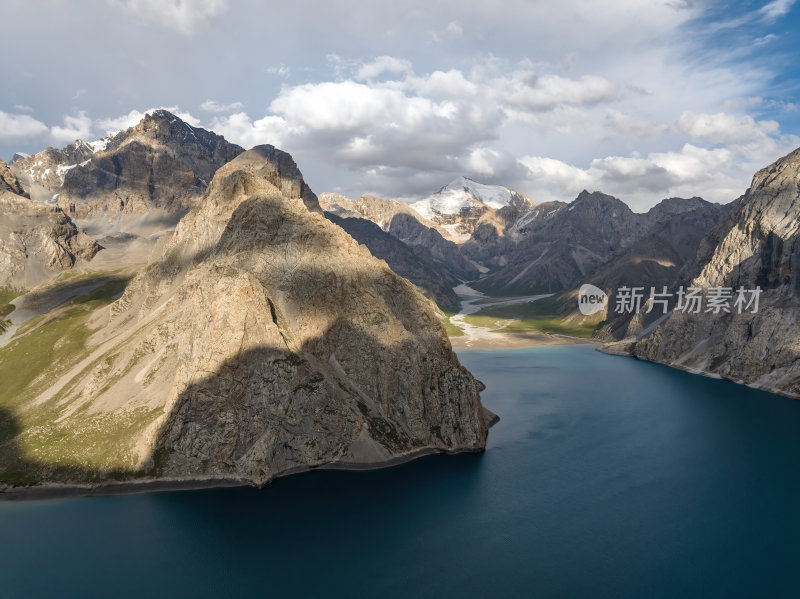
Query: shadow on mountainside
(277,357)
(266,412)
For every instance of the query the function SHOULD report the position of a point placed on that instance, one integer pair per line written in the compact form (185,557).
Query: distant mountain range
(257,339)
(198,304)
(755,245)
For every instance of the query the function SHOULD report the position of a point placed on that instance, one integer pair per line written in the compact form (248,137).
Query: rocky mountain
(161,163)
(9,181)
(37,239)
(264,341)
(756,244)
(419,268)
(661,258)
(461,205)
(562,245)
(42,174)
(497,232)
(566,243)
(378,210)
(429,241)
(430,244)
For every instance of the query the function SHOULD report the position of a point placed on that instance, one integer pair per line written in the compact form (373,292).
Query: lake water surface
(607,477)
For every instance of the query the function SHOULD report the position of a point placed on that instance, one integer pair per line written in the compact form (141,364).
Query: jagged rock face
(563,245)
(419,269)
(378,210)
(428,241)
(36,241)
(756,243)
(464,205)
(532,220)
(429,244)
(657,260)
(47,169)
(8,180)
(160,163)
(267,340)
(496,233)
(567,243)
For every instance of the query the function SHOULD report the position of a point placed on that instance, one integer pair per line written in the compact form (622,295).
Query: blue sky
(640,99)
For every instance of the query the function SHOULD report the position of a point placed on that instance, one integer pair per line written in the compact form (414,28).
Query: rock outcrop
(562,245)
(378,210)
(420,268)
(662,258)
(42,174)
(9,181)
(265,341)
(566,244)
(430,242)
(37,240)
(161,163)
(757,244)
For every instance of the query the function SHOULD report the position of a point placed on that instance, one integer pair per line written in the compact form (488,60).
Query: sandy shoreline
(517,340)
(477,337)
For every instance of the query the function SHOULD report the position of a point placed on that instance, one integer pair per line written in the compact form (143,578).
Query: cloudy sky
(643,99)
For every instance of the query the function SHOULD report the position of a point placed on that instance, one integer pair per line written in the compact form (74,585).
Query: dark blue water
(607,477)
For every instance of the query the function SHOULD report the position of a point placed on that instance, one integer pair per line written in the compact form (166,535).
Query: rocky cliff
(42,174)
(161,163)
(378,210)
(562,245)
(37,239)
(659,259)
(432,243)
(756,244)
(265,341)
(418,268)
(566,243)
(9,181)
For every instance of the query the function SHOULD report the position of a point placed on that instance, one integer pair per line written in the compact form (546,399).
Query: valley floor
(493,336)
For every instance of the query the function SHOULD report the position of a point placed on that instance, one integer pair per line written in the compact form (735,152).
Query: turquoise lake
(606,477)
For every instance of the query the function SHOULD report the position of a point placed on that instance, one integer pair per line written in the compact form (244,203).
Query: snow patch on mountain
(461,193)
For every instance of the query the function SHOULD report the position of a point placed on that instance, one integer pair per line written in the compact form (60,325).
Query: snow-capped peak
(462,193)
(101,144)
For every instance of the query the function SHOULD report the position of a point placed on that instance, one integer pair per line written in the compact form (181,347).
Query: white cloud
(241,129)
(756,141)
(553,179)
(526,92)
(212,106)
(281,70)
(720,128)
(381,65)
(627,124)
(75,127)
(184,16)
(23,107)
(20,126)
(109,126)
(454,29)
(718,174)
(776,9)
(112,125)
(436,118)
(398,131)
